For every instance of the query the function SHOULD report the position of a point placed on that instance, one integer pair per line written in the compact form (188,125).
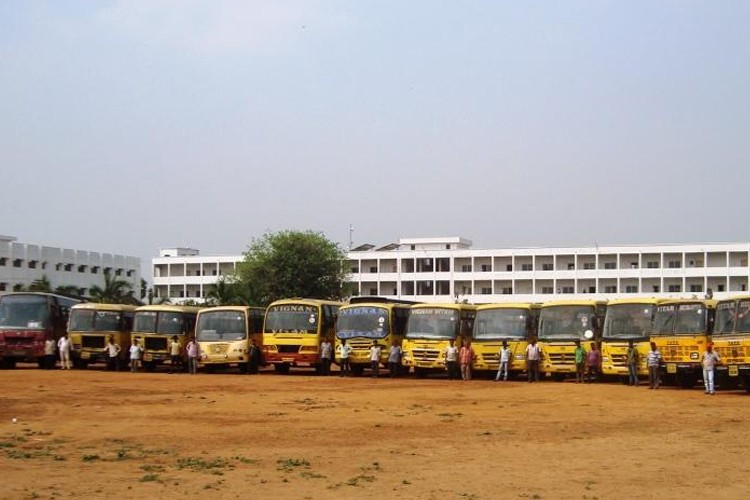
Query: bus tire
(282,367)
(9,363)
(41,362)
(243,368)
(420,372)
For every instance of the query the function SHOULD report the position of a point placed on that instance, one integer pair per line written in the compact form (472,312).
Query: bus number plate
(148,357)
(733,371)
(85,355)
(671,368)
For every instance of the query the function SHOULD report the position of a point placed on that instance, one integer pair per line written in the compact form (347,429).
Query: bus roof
(245,309)
(445,305)
(309,302)
(734,299)
(169,308)
(707,302)
(509,305)
(638,300)
(98,306)
(45,294)
(580,302)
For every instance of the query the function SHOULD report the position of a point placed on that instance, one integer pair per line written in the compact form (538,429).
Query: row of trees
(275,266)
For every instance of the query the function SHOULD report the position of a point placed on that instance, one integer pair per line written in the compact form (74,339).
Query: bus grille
(93,341)
(425,354)
(562,358)
(619,359)
(732,352)
(155,344)
(677,353)
(288,348)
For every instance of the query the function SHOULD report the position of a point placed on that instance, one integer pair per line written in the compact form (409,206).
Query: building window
(32,264)
(568,289)
(486,268)
(373,269)
(571,266)
(652,264)
(610,265)
(58,266)
(547,267)
(508,290)
(675,288)
(610,289)
(17,262)
(696,288)
(3,287)
(589,266)
(527,267)
(548,290)
(94,269)
(674,264)
(466,268)
(720,288)
(68,267)
(631,289)
(82,269)
(3,260)
(487,290)
(509,267)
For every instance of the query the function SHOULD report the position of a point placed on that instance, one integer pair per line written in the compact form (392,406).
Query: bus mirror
(588,334)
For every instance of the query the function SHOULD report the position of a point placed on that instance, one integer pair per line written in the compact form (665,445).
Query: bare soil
(95,434)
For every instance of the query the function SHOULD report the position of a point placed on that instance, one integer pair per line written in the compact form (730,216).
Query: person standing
(504,357)
(633,359)
(580,359)
(653,360)
(175,355)
(451,360)
(112,351)
(344,350)
(135,356)
(394,360)
(466,358)
(533,355)
(326,353)
(49,353)
(63,346)
(375,351)
(709,358)
(253,358)
(594,362)
(193,352)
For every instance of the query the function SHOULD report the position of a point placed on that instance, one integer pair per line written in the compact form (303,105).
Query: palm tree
(40,285)
(69,290)
(114,291)
(223,293)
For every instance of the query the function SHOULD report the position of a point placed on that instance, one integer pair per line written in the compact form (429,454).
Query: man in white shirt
(451,361)
(504,357)
(135,356)
(709,360)
(49,353)
(375,351)
(63,345)
(112,351)
(326,353)
(533,355)
(344,350)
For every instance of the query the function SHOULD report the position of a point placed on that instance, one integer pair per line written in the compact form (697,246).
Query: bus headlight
(605,359)
(520,357)
(693,355)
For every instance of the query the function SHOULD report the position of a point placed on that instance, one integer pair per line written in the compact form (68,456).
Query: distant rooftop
(178,252)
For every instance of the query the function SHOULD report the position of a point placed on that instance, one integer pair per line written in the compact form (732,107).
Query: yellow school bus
(293,330)
(226,333)
(563,322)
(155,325)
(731,338)
(91,325)
(682,328)
(429,331)
(514,323)
(368,319)
(627,320)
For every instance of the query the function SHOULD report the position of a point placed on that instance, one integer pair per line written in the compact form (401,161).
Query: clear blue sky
(127,126)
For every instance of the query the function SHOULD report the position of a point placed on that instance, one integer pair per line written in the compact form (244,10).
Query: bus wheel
(730,383)
(420,372)
(243,368)
(686,381)
(282,367)
(41,362)
(558,377)
(9,363)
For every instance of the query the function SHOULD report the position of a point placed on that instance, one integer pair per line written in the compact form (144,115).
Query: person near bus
(451,360)
(593,363)
(653,361)
(375,351)
(709,358)
(112,351)
(344,350)
(504,356)
(394,359)
(49,353)
(254,358)
(326,355)
(466,358)
(533,355)
(63,346)
(580,359)
(175,355)
(632,358)
(193,352)
(135,356)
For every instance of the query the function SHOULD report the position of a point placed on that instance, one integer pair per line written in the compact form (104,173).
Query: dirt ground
(95,434)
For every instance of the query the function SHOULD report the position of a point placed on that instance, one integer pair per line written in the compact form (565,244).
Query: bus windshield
(162,322)
(432,323)
(501,323)
(24,311)
(565,322)
(743,317)
(89,320)
(292,318)
(682,319)
(221,325)
(628,321)
(725,315)
(362,321)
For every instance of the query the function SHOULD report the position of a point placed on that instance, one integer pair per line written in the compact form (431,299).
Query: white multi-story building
(449,269)
(23,263)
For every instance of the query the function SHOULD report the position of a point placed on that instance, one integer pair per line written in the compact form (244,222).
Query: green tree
(69,290)
(291,264)
(224,293)
(114,291)
(40,285)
